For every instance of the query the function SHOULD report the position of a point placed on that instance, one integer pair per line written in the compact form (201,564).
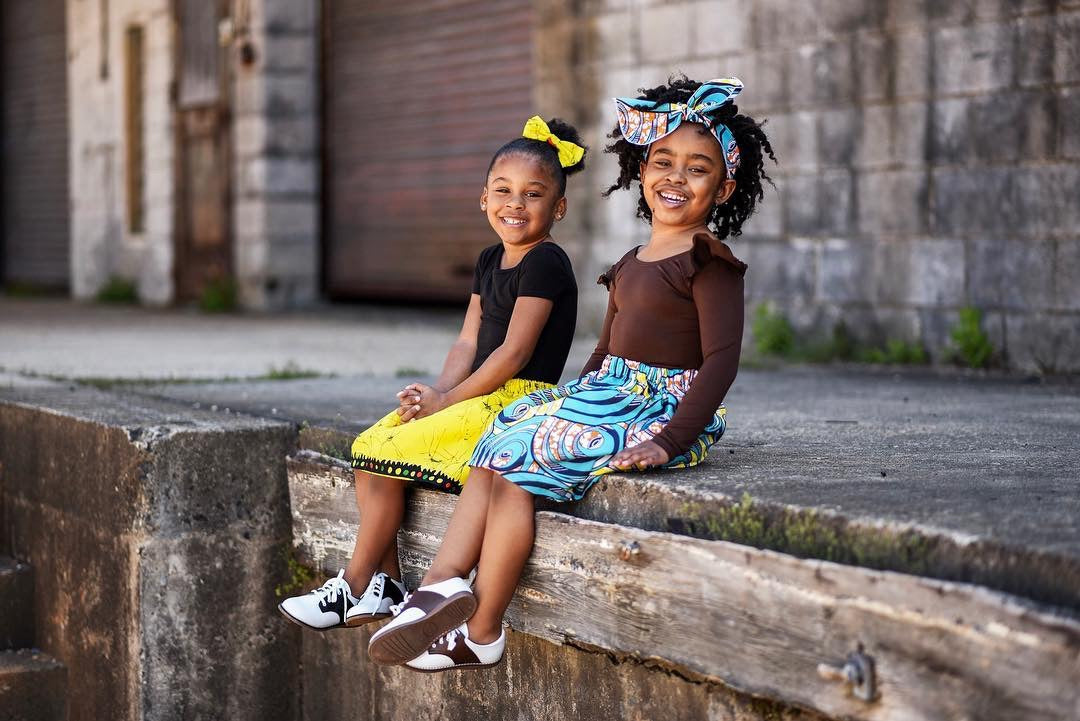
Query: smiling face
(683,177)
(521,199)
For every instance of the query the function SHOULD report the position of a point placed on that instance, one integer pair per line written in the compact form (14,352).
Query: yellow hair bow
(569,153)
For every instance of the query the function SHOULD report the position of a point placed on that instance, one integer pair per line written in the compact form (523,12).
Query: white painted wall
(101,244)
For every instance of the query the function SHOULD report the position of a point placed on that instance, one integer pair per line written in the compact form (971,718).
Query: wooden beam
(758,621)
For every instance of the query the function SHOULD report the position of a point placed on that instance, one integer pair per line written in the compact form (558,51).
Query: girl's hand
(407,398)
(419,401)
(639,457)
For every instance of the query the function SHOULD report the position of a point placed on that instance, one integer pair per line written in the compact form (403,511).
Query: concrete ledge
(157,535)
(687,502)
(959,478)
(758,621)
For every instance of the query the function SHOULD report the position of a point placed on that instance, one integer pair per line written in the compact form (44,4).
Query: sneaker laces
(399,607)
(449,638)
(329,591)
(375,585)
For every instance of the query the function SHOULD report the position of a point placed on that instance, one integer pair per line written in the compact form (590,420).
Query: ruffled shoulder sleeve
(708,248)
(607,278)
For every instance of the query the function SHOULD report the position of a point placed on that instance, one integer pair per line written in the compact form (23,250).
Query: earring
(483,206)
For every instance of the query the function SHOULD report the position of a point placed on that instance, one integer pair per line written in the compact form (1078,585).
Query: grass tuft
(218,296)
(971,345)
(118,290)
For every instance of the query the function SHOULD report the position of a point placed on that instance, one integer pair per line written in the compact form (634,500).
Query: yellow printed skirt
(435,450)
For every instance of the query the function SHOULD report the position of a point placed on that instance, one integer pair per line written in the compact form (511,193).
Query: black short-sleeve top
(544,272)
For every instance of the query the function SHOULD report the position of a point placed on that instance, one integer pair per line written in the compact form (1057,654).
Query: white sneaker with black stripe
(374,605)
(324,608)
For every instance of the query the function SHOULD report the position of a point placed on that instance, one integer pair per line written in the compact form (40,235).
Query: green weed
(118,290)
(773,334)
(971,346)
(299,576)
(218,296)
(896,352)
(290,371)
(807,534)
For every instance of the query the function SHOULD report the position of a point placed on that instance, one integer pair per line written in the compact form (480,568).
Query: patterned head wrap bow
(537,129)
(643,122)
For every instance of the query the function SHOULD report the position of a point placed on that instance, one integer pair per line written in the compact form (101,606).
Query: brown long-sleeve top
(685,311)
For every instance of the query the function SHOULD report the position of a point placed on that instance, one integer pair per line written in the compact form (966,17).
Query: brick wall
(929,159)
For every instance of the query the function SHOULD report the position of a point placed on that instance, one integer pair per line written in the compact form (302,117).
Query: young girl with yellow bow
(515,339)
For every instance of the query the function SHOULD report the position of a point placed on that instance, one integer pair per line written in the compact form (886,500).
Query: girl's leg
(381,502)
(460,549)
(508,541)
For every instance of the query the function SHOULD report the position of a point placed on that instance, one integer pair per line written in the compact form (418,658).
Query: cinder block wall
(276,162)
(929,159)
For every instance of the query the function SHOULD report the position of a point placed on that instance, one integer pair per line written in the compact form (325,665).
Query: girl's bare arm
(526,322)
(460,358)
(456,367)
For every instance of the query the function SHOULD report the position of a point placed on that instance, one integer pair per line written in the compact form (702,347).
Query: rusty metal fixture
(857,673)
(629,550)
(247,53)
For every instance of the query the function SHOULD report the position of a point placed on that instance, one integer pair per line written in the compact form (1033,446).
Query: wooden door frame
(181,184)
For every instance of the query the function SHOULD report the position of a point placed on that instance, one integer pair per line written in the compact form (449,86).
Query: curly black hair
(725,220)
(546,153)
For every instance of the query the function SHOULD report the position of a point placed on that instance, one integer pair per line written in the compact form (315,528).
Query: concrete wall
(157,535)
(537,681)
(929,158)
(102,245)
(277,161)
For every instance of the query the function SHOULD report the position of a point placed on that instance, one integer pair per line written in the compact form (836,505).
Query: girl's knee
(481,475)
(505,489)
(479,480)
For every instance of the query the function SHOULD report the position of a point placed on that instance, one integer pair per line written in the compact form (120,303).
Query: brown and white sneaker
(428,613)
(457,650)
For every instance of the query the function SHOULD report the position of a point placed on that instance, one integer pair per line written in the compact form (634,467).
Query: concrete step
(33,687)
(16,604)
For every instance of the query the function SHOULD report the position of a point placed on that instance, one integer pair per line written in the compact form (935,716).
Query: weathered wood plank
(758,621)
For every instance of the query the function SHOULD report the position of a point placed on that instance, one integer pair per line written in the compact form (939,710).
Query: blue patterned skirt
(556,442)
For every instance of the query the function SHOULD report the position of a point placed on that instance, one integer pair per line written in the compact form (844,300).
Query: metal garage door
(417,97)
(33,133)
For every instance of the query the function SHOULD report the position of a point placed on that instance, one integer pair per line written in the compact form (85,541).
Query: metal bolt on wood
(857,672)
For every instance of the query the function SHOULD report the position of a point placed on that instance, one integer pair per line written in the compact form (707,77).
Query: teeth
(513,221)
(673,197)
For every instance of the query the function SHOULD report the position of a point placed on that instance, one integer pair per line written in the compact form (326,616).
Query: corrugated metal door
(34,221)
(417,97)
